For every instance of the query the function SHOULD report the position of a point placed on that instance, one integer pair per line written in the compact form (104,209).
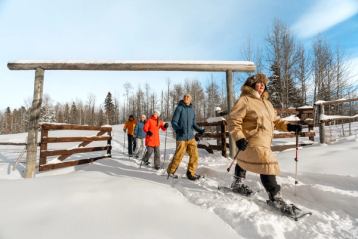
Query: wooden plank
(46,167)
(73,151)
(209,124)
(109,143)
(31,156)
(43,146)
(334,102)
(234,66)
(10,143)
(75,127)
(284,147)
(212,135)
(223,140)
(292,134)
(207,148)
(75,139)
(83,144)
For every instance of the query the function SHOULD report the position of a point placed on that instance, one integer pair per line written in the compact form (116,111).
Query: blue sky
(150,30)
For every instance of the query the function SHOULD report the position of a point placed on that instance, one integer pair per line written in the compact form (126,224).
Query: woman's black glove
(294,127)
(149,133)
(166,125)
(242,144)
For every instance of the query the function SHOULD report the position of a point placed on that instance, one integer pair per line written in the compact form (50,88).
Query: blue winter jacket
(183,122)
(138,130)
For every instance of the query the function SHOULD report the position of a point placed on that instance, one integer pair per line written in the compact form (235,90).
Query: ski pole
(296,160)
(165,147)
(141,161)
(124,140)
(232,162)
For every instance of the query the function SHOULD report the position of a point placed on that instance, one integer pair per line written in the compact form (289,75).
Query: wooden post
(43,146)
(223,139)
(230,103)
(322,133)
(33,124)
(109,153)
(218,128)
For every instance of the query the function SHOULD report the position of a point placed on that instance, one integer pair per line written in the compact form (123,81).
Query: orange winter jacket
(153,126)
(129,126)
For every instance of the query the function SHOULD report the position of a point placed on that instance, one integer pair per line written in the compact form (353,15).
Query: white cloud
(323,15)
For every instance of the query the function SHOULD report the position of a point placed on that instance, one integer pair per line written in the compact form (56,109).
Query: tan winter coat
(254,118)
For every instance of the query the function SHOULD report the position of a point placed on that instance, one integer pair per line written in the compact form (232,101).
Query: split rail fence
(104,134)
(336,112)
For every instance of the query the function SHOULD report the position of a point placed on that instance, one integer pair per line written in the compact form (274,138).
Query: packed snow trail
(324,189)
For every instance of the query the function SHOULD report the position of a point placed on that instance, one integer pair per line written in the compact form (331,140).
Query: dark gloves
(201,131)
(149,133)
(166,125)
(294,127)
(242,144)
(197,137)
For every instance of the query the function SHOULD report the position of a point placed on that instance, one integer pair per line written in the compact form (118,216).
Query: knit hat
(157,111)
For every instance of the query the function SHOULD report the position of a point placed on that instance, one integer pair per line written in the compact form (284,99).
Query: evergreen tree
(74,114)
(109,108)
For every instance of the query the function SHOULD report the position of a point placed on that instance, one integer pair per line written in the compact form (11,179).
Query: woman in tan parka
(251,124)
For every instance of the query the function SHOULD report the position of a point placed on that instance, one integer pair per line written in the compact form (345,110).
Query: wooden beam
(75,139)
(33,124)
(15,144)
(230,104)
(46,167)
(212,66)
(334,102)
(209,124)
(73,151)
(75,127)
(292,134)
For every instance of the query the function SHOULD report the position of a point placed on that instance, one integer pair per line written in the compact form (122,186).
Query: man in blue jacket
(184,124)
(139,135)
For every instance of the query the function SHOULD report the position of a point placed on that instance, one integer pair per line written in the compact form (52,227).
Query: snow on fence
(66,153)
(338,112)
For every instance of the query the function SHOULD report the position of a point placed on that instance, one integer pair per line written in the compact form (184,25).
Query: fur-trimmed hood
(248,91)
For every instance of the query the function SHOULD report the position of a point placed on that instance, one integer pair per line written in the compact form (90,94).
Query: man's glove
(294,127)
(149,133)
(242,144)
(201,131)
(166,125)
(125,130)
(197,137)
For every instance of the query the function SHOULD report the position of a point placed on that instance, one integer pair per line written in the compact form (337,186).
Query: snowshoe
(172,175)
(289,210)
(192,177)
(238,186)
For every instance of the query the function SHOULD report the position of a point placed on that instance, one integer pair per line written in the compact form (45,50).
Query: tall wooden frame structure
(41,66)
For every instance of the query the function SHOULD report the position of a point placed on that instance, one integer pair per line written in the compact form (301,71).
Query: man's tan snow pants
(183,147)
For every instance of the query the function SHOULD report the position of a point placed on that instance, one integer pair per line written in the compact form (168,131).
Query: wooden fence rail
(305,116)
(324,119)
(65,153)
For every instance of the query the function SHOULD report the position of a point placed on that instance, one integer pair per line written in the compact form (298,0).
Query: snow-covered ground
(114,198)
